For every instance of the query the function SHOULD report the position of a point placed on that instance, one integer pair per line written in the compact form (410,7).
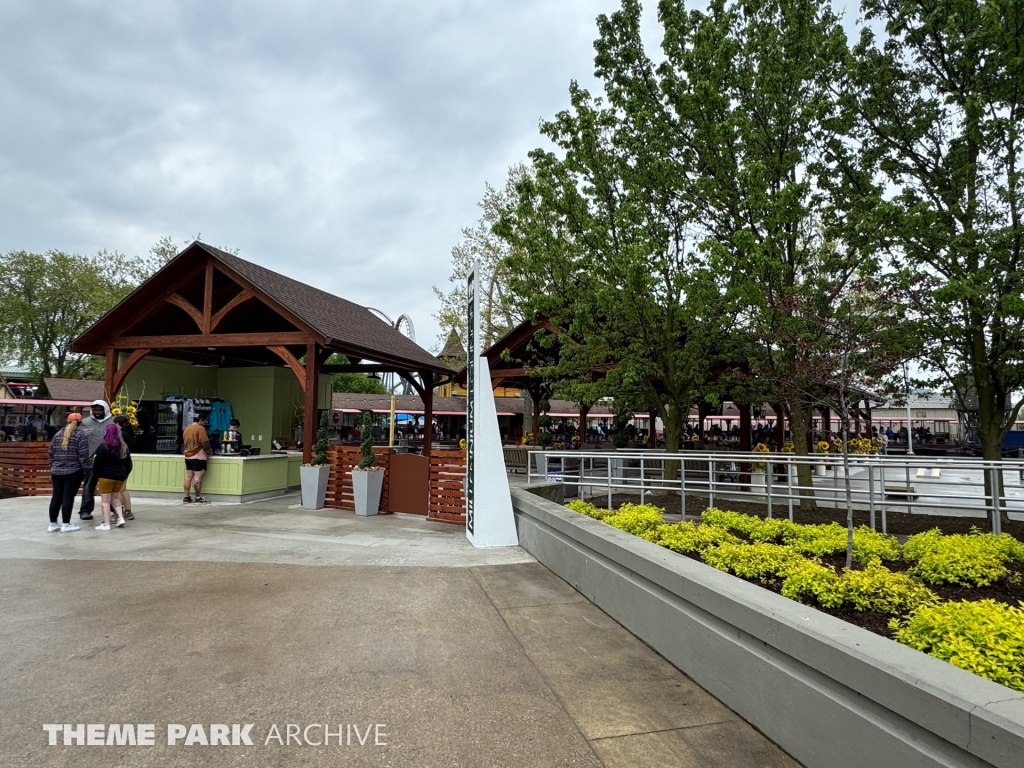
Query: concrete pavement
(214,616)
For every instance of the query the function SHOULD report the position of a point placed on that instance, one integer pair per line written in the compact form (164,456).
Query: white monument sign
(489,518)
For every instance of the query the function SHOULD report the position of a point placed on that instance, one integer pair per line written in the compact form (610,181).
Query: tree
(941,105)
(354,382)
(49,300)
(602,238)
(499,312)
(861,337)
(780,199)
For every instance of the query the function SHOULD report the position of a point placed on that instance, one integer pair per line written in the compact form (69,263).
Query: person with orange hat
(69,461)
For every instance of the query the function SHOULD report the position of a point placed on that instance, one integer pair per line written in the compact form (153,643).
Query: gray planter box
(366,489)
(831,694)
(314,486)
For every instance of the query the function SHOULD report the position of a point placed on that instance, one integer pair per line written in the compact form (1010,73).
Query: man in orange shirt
(197,451)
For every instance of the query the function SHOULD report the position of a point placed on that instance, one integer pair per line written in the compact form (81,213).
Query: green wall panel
(228,476)
(161,376)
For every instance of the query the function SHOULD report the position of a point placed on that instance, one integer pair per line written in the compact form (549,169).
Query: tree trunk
(673,430)
(798,415)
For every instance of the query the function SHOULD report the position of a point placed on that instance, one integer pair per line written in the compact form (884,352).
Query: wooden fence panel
(447,492)
(341,459)
(25,469)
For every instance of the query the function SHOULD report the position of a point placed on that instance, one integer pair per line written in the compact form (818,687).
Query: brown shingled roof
(331,316)
(344,326)
(453,346)
(74,389)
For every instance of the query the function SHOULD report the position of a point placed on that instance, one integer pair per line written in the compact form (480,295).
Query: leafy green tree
(781,200)
(499,311)
(355,382)
(941,105)
(603,242)
(50,299)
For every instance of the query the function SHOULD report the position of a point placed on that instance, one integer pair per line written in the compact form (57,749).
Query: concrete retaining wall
(829,693)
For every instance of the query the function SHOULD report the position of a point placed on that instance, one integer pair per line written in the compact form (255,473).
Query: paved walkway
(214,616)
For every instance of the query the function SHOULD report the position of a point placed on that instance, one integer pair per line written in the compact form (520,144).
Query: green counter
(227,478)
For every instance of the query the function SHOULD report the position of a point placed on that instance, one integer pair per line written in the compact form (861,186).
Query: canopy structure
(214,308)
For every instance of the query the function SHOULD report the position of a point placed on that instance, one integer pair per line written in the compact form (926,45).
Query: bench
(901,491)
(517,458)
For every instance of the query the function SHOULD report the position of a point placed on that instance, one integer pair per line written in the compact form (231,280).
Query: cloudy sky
(343,143)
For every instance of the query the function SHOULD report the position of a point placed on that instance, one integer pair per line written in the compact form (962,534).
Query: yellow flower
(131,410)
(115,411)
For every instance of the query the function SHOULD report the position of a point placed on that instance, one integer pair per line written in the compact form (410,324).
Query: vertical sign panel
(471,356)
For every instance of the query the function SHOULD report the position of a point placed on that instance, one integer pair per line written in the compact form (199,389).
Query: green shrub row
(975,559)
(984,637)
(820,540)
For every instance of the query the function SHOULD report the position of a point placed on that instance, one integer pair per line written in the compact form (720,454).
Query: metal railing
(879,484)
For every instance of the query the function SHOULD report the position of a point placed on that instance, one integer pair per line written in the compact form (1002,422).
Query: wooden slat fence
(447,491)
(25,469)
(341,459)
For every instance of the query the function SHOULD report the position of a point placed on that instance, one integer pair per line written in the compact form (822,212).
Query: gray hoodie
(94,428)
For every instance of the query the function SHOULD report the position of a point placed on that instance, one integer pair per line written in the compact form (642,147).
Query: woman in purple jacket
(69,461)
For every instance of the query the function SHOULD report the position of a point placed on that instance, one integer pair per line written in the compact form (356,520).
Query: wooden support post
(780,428)
(109,372)
(428,411)
(652,433)
(826,424)
(584,410)
(208,298)
(535,396)
(310,421)
(867,417)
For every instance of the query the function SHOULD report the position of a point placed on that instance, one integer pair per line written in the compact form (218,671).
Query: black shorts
(195,465)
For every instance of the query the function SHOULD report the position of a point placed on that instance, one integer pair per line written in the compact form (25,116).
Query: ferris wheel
(394,383)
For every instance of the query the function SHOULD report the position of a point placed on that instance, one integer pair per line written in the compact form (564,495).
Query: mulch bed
(897,523)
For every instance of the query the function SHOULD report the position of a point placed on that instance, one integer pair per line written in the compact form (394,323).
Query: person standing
(111,466)
(197,451)
(69,461)
(128,436)
(93,427)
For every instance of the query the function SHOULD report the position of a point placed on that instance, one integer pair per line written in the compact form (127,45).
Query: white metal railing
(879,484)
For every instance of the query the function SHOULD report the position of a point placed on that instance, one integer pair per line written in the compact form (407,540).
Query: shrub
(732,521)
(973,560)
(690,538)
(830,539)
(811,582)
(984,637)
(753,561)
(588,509)
(876,588)
(637,519)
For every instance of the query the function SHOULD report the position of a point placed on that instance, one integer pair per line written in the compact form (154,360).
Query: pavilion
(210,308)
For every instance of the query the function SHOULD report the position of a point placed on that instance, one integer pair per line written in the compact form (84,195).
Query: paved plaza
(268,614)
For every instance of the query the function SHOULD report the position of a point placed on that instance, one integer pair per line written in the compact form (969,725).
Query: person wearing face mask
(93,427)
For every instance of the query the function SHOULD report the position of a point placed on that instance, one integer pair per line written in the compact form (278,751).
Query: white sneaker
(120,522)
(53,527)
(68,528)
(103,527)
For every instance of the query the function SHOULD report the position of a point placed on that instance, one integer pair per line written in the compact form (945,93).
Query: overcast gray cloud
(343,143)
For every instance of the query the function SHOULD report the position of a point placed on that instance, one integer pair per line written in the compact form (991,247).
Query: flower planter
(314,485)
(367,485)
(819,470)
(757,481)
